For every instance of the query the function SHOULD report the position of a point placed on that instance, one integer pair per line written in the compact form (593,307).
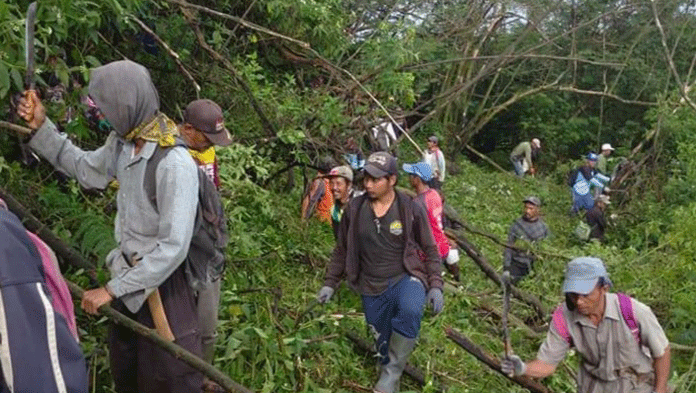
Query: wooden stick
(178,352)
(488,160)
(15,127)
(493,362)
(70,256)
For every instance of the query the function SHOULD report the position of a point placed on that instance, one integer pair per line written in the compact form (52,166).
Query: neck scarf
(160,129)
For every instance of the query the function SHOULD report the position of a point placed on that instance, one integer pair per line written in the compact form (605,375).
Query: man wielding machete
(152,243)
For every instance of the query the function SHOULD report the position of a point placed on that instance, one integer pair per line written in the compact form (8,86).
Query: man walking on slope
(433,156)
(522,156)
(530,228)
(622,346)
(583,180)
(341,183)
(603,158)
(420,173)
(152,242)
(204,127)
(376,252)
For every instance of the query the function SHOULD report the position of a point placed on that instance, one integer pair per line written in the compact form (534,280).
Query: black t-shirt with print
(382,242)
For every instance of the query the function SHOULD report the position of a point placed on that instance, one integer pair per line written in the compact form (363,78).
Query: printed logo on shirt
(395,228)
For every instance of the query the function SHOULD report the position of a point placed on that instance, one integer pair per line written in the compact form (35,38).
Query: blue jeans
(517,164)
(399,308)
(582,202)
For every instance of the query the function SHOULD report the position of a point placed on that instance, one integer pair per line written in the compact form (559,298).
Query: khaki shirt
(611,360)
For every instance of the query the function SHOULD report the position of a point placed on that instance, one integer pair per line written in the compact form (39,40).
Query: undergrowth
(271,340)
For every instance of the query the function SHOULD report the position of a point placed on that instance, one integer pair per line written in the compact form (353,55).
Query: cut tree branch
(492,362)
(175,350)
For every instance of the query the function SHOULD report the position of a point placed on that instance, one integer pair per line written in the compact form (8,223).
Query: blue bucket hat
(420,169)
(582,275)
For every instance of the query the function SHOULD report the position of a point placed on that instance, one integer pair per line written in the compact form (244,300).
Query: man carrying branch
(622,346)
(152,242)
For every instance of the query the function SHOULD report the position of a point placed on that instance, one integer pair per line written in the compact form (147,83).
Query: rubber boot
(400,349)
(454,270)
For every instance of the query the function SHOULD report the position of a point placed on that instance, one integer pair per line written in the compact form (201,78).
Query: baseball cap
(343,171)
(582,275)
(206,116)
(380,164)
(420,169)
(592,156)
(533,200)
(607,146)
(536,142)
(433,139)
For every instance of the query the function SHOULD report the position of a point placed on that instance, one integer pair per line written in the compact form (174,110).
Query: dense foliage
(481,73)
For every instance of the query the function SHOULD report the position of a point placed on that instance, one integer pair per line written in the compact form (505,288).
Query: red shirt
(433,204)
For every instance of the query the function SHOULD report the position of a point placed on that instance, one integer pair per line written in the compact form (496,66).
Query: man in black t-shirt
(380,239)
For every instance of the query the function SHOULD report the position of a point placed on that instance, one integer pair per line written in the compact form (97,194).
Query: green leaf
(4,80)
(17,79)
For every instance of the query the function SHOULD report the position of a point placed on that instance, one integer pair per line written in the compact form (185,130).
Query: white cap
(536,142)
(607,146)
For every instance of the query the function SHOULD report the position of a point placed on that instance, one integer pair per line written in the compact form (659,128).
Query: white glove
(513,365)
(452,256)
(606,190)
(325,294)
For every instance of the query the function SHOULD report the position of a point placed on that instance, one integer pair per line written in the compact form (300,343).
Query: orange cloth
(325,205)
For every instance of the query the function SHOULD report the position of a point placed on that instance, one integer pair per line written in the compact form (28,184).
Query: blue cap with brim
(582,275)
(420,169)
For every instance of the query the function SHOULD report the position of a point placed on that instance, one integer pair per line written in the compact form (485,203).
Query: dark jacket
(345,259)
(596,220)
(39,354)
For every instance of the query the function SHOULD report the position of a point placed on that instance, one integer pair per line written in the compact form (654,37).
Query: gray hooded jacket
(159,240)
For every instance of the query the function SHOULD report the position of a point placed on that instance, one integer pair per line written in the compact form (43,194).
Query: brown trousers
(137,365)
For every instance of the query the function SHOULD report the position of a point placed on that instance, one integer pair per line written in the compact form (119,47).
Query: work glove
(505,278)
(435,299)
(325,294)
(452,256)
(513,365)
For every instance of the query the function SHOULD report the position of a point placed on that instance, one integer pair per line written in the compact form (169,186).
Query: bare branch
(241,21)
(603,94)
(683,89)
(230,67)
(169,50)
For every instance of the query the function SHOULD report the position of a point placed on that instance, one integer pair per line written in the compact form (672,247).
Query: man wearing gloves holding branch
(153,236)
(622,346)
(377,251)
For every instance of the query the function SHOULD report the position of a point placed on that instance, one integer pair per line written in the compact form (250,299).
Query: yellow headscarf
(160,129)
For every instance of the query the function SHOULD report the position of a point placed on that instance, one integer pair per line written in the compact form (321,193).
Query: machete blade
(29,46)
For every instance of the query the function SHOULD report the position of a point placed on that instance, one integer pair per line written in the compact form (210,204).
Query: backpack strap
(150,178)
(627,312)
(559,321)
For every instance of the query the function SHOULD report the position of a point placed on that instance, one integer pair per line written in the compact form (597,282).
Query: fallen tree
(492,362)
(68,255)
